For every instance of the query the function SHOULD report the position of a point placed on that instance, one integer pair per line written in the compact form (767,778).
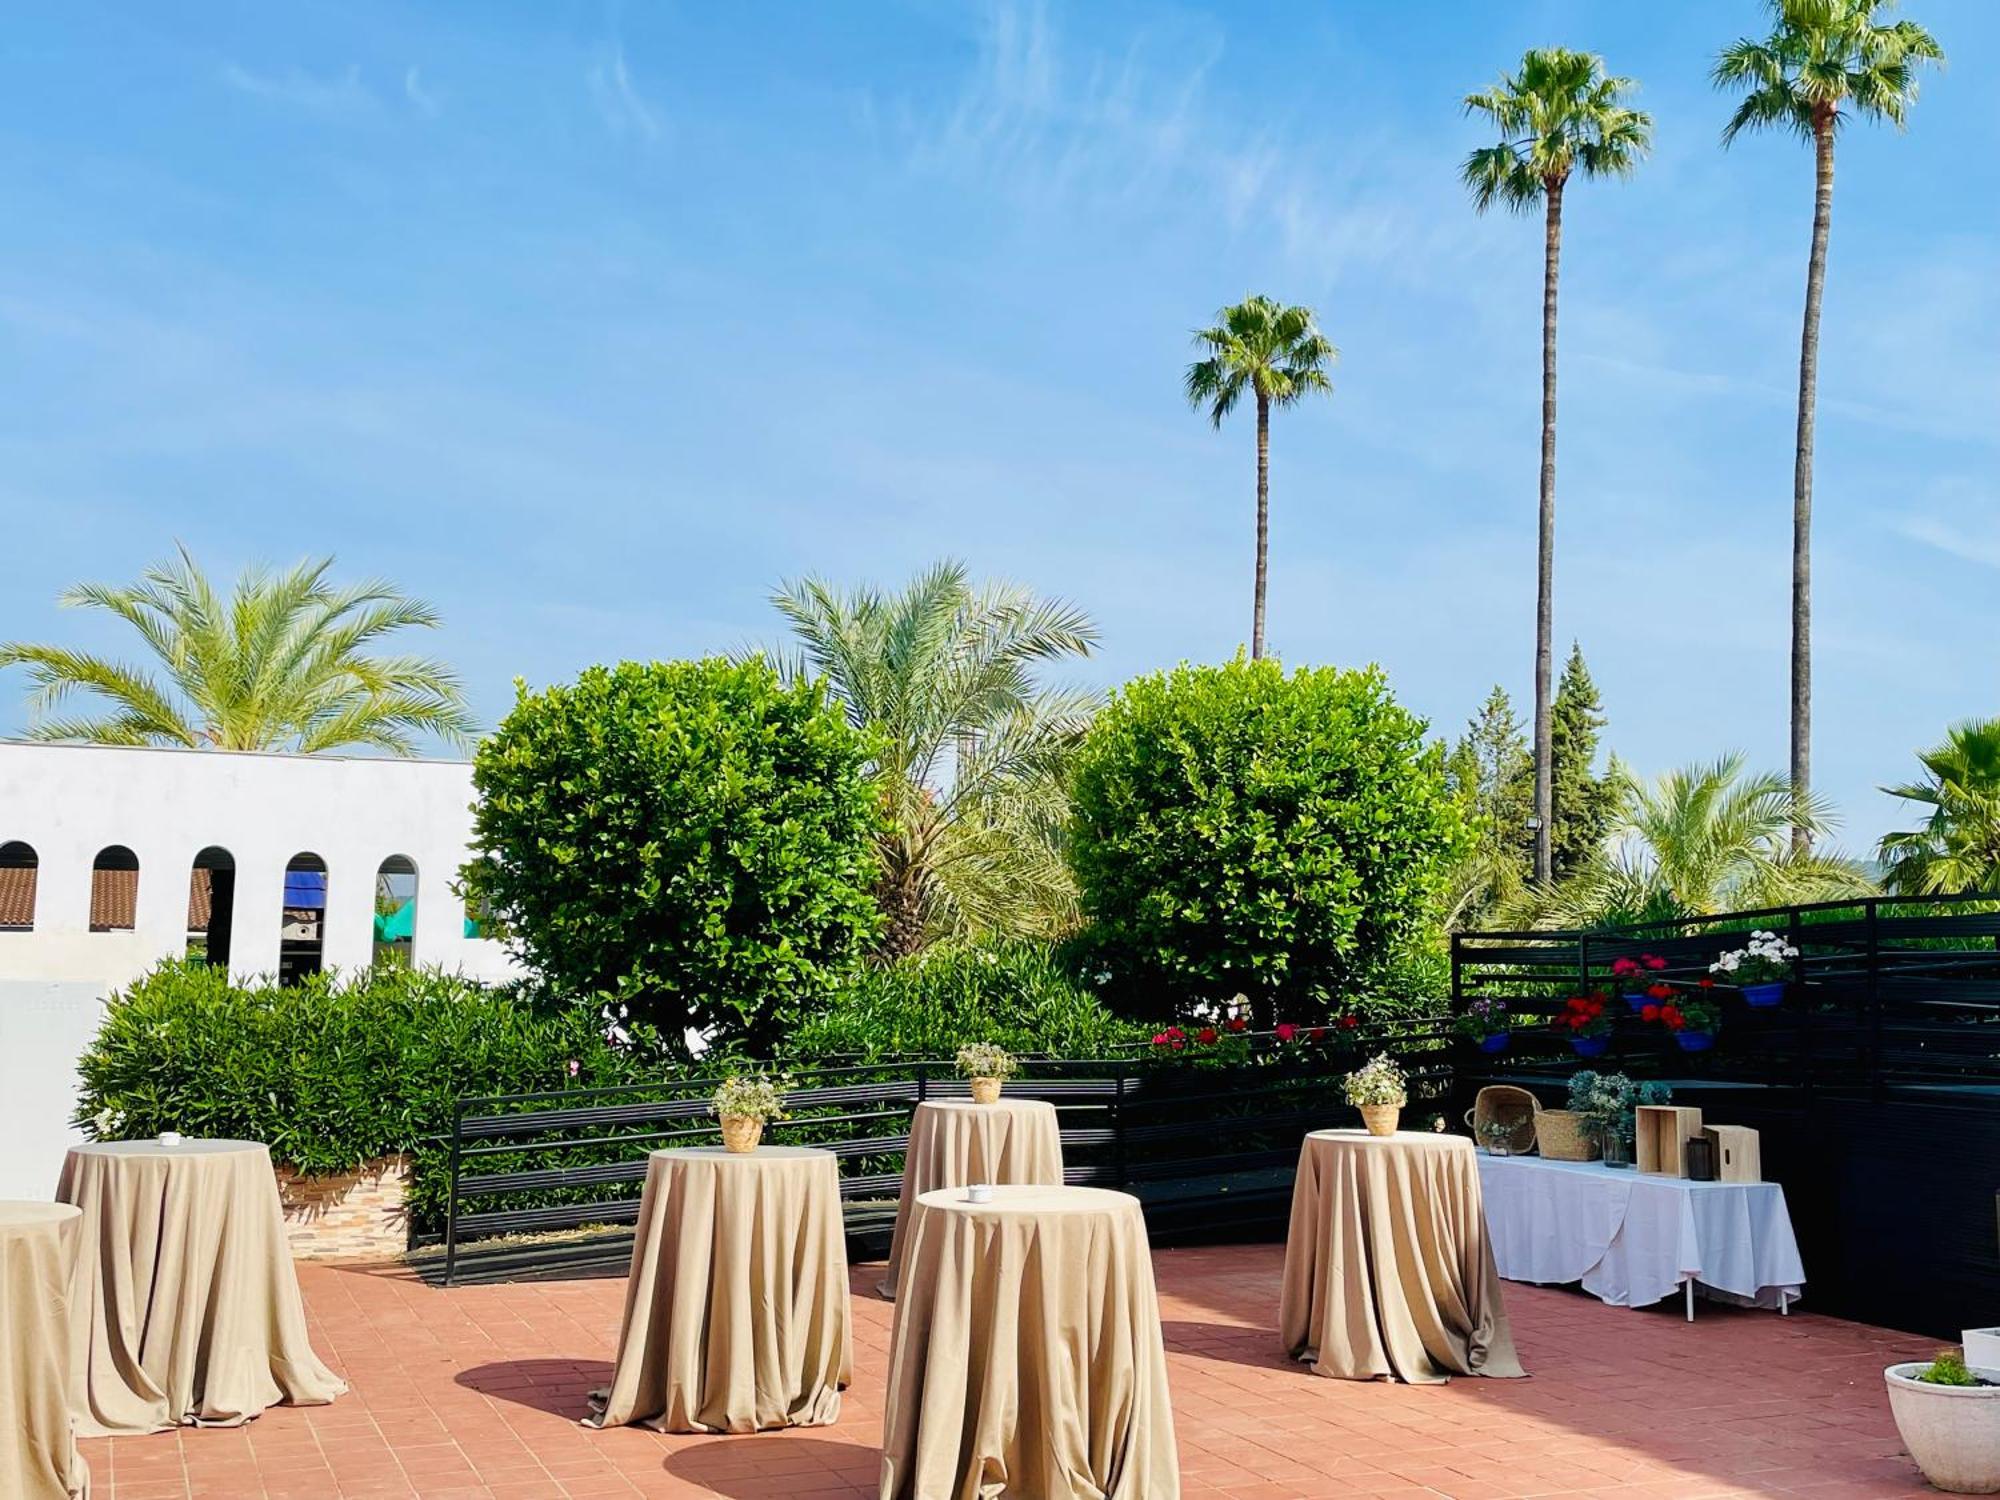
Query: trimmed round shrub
(1014,994)
(692,841)
(1238,829)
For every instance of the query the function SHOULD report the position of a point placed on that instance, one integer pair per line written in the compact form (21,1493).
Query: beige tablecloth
(1027,1358)
(954,1142)
(185,1305)
(38,1457)
(736,1313)
(1388,1270)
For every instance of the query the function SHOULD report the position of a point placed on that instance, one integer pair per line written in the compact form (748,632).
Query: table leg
(1784,1305)
(1689,1284)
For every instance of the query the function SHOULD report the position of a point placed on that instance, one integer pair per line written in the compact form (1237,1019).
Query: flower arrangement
(1632,975)
(1377,1081)
(1767,959)
(1484,1017)
(751,1096)
(1607,1100)
(1583,1016)
(1694,1013)
(987,1060)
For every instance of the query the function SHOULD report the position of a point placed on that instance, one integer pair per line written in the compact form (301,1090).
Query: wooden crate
(1662,1132)
(1737,1158)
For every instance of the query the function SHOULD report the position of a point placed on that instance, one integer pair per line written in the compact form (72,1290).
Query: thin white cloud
(421,99)
(341,94)
(620,104)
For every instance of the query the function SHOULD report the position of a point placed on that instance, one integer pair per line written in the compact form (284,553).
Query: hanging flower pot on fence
(1763,996)
(1695,1041)
(1495,1042)
(1590,1046)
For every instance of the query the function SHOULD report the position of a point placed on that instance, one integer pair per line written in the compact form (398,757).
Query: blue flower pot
(1695,1041)
(1636,999)
(1590,1046)
(1763,996)
(1497,1042)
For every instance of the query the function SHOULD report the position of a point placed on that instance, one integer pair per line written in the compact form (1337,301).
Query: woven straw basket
(1380,1118)
(985,1091)
(1564,1135)
(1502,1103)
(741,1133)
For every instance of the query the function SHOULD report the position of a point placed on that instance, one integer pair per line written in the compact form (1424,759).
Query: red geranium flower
(1206,1034)
(1707,983)
(1675,1022)
(1319,1033)
(1285,1031)
(1622,966)
(1348,1023)
(1237,1023)
(1653,962)
(1660,991)
(1649,1012)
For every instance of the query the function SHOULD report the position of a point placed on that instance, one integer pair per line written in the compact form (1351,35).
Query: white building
(113,858)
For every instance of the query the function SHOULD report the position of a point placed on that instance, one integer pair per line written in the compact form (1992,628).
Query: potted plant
(743,1103)
(1759,970)
(987,1065)
(1584,1022)
(1949,1418)
(1605,1102)
(1633,976)
(1484,1022)
(1379,1090)
(1693,1019)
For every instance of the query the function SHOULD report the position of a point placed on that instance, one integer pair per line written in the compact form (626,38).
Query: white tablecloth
(1632,1238)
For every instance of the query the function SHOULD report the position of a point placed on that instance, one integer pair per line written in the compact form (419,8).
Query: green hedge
(328,1073)
(1016,994)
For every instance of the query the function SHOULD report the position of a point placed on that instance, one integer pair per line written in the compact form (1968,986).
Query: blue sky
(591,323)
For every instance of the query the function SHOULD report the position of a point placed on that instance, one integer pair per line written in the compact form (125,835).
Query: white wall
(70,801)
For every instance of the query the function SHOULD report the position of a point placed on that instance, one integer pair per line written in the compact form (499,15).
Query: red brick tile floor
(474,1393)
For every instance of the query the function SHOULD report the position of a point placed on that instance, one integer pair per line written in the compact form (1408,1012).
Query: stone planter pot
(741,1133)
(1380,1118)
(358,1215)
(1953,1432)
(985,1090)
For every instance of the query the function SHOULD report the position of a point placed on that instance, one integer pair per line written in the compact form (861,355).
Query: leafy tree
(1560,115)
(969,749)
(1823,61)
(1238,829)
(1585,801)
(1278,355)
(1958,846)
(1698,840)
(283,664)
(693,841)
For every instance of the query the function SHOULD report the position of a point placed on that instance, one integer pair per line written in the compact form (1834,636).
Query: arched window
(211,905)
(302,935)
(19,868)
(396,910)
(114,890)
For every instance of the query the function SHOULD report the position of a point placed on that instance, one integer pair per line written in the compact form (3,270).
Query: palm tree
(1561,114)
(1822,59)
(969,748)
(1958,847)
(1280,356)
(1699,840)
(281,665)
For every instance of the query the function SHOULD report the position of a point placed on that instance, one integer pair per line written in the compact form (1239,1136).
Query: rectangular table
(1635,1238)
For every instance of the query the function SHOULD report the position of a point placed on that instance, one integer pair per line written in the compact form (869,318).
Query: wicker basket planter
(1564,1135)
(1380,1118)
(985,1090)
(741,1133)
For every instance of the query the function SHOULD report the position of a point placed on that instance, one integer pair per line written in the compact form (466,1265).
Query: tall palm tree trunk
(1802,477)
(1545,551)
(1263,522)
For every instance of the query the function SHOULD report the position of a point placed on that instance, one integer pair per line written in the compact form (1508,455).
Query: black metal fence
(1886,992)
(1206,1138)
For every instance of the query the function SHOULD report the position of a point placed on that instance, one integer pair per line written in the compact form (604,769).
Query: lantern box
(1737,1158)
(1661,1132)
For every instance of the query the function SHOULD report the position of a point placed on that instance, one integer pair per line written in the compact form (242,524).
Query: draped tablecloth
(1027,1357)
(954,1142)
(1633,1238)
(185,1307)
(1387,1267)
(38,1457)
(736,1315)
